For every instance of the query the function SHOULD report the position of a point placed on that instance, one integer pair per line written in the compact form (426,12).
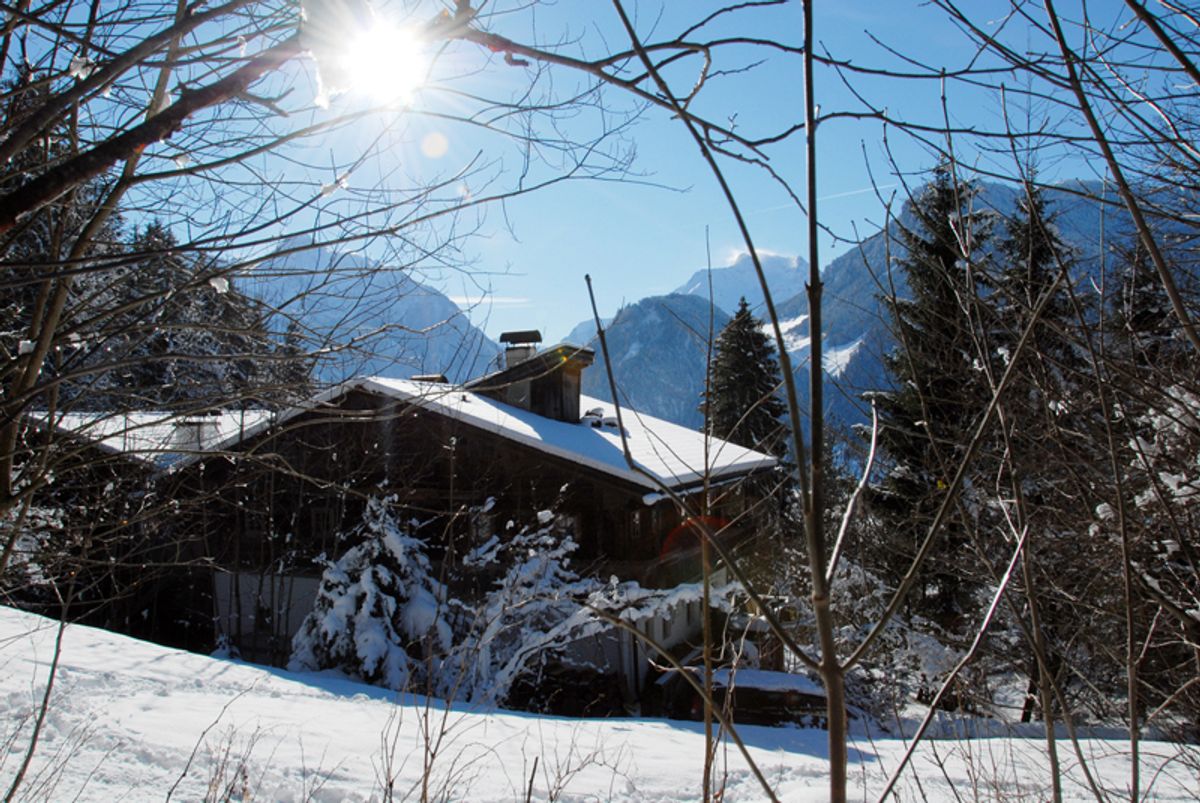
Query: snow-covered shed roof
(157,438)
(672,455)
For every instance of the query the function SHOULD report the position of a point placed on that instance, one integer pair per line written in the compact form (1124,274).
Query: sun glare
(385,63)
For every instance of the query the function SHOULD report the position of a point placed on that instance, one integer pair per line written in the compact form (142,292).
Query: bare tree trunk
(1043,664)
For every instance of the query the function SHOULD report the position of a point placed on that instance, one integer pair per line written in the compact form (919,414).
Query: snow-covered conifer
(743,405)
(379,612)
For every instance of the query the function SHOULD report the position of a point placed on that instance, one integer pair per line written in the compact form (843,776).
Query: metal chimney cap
(521,337)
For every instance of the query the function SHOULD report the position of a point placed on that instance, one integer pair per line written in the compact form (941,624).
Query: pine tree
(379,611)
(925,423)
(34,251)
(743,405)
(1036,457)
(174,331)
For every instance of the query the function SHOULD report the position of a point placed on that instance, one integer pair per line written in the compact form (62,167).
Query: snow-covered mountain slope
(368,318)
(785,276)
(584,333)
(659,349)
(132,721)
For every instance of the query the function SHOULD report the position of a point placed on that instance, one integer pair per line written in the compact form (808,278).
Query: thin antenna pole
(705,551)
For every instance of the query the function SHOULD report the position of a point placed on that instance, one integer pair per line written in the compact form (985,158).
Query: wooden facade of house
(308,480)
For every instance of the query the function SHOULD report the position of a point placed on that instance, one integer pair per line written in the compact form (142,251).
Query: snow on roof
(673,455)
(767,681)
(155,437)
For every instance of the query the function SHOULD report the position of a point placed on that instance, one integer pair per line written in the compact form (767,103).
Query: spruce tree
(1047,387)
(925,423)
(1036,460)
(1032,255)
(32,268)
(379,612)
(1143,324)
(292,367)
(174,331)
(742,404)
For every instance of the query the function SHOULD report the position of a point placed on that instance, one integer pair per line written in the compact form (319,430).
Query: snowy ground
(133,721)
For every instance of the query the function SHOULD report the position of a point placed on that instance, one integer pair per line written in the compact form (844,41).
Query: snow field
(134,721)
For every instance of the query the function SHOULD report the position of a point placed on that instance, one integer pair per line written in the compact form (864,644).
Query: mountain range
(656,354)
(785,276)
(659,345)
(364,317)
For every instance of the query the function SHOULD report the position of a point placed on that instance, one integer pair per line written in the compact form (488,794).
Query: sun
(384,62)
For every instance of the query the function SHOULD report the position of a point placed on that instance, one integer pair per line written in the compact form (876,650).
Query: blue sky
(647,235)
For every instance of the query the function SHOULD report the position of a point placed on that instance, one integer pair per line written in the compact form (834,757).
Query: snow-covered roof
(671,455)
(767,681)
(155,437)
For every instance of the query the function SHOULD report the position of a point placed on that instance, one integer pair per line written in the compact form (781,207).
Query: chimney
(543,382)
(519,346)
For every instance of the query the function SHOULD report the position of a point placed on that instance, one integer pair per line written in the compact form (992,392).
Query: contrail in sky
(855,192)
(834,196)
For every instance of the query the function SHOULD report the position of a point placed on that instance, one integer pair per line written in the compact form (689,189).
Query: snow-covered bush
(1163,529)
(1167,452)
(507,610)
(1163,477)
(530,612)
(538,606)
(630,602)
(380,615)
(909,662)
(79,542)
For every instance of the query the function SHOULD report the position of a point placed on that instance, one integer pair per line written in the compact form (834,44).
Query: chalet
(88,538)
(465,462)
(223,515)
